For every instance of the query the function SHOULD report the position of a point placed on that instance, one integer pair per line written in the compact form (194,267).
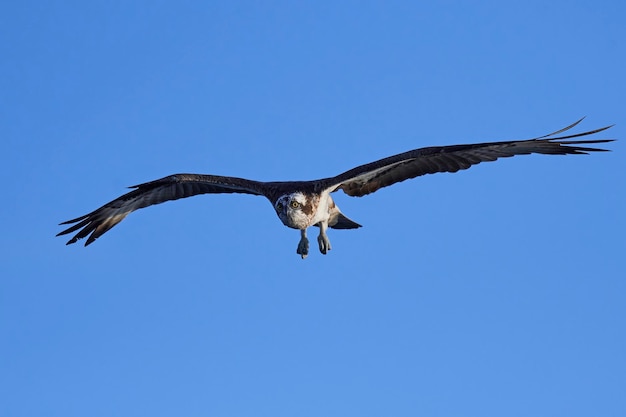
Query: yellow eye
(279,206)
(295,204)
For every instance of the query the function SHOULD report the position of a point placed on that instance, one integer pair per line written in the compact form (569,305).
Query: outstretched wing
(173,187)
(366,179)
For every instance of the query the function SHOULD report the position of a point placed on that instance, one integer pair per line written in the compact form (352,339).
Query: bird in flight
(302,204)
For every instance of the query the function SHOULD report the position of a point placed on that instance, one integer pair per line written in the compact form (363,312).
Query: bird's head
(294,210)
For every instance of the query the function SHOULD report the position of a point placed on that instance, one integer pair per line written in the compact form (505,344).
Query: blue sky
(496,291)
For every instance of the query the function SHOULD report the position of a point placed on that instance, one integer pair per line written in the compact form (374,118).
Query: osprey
(302,204)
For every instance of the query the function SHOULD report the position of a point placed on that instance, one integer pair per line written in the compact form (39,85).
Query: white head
(295,210)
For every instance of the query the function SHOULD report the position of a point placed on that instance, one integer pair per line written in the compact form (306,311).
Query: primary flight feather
(301,204)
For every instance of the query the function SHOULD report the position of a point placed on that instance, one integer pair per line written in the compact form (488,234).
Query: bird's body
(302,204)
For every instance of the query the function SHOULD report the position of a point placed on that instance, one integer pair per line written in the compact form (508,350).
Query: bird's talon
(324,244)
(303,247)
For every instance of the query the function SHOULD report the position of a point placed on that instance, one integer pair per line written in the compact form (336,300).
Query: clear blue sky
(498,291)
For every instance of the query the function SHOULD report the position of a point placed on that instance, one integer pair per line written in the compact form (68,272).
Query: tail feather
(339,221)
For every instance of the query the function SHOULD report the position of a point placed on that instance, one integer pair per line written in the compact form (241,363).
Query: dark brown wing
(366,179)
(150,193)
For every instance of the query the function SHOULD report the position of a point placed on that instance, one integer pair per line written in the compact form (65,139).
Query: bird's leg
(322,239)
(303,245)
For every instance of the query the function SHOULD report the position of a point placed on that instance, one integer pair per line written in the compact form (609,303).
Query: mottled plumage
(302,204)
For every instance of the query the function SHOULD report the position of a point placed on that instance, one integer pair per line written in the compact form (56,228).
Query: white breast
(322,213)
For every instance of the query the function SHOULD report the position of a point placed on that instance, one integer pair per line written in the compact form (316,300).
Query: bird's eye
(295,204)
(279,206)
